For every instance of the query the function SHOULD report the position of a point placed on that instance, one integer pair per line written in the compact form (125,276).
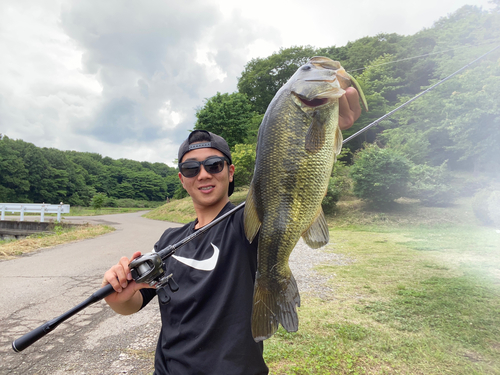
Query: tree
(413,144)
(473,120)
(14,182)
(173,183)
(228,115)
(380,88)
(431,185)
(148,186)
(78,188)
(363,51)
(47,184)
(262,78)
(380,175)
(244,162)
(32,174)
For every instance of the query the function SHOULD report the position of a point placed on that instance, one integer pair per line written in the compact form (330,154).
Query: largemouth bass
(298,142)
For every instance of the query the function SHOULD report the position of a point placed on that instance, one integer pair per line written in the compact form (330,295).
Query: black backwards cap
(205,139)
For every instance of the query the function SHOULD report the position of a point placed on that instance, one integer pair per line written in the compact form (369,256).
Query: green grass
(414,300)
(420,294)
(86,211)
(89,211)
(182,211)
(60,235)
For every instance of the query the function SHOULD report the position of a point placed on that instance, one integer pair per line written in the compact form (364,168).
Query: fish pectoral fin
(250,217)
(316,134)
(317,234)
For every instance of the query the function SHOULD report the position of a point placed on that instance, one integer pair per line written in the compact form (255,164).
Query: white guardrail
(40,208)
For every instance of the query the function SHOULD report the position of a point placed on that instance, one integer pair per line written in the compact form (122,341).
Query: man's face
(207,189)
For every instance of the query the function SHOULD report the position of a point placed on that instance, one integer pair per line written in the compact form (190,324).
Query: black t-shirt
(206,327)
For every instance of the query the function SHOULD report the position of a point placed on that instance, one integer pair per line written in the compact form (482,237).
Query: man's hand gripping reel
(148,268)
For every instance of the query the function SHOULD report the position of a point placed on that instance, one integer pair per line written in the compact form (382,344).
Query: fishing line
(419,56)
(415,97)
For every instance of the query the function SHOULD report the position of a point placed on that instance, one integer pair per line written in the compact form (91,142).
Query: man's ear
(231,173)
(181,177)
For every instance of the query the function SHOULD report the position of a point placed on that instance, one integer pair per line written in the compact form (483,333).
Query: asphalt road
(38,287)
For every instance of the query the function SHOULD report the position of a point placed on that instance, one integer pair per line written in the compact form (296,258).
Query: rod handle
(31,337)
(23,342)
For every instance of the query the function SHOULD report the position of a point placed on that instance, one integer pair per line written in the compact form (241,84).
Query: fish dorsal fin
(250,217)
(317,234)
(315,137)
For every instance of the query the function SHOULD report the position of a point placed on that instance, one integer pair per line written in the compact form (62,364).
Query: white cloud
(205,57)
(124,78)
(170,117)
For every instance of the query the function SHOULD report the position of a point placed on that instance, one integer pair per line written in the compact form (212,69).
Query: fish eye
(306,67)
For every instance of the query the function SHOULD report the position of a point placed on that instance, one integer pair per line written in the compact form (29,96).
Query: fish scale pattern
(289,183)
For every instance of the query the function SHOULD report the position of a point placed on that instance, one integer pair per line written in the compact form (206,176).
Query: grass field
(415,300)
(11,249)
(182,211)
(421,294)
(88,211)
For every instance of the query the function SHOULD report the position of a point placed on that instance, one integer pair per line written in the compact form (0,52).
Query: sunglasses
(213,165)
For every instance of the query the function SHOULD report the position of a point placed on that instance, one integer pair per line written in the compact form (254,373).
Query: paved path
(40,286)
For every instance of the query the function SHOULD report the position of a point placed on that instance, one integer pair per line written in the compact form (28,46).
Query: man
(206,325)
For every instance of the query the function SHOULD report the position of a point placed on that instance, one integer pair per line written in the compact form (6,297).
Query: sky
(124,78)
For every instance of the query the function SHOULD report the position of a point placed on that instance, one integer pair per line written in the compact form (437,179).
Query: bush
(380,175)
(180,192)
(431,185)
(331,198)
(110,202)
(338,185)
(98,201)
(486,206)
(135,203)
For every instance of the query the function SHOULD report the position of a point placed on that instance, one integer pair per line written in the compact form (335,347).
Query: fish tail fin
(272,307)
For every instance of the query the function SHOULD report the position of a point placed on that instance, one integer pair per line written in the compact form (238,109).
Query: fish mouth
(316,102)
(321,80)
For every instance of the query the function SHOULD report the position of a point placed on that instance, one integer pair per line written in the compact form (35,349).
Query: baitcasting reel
(148,268)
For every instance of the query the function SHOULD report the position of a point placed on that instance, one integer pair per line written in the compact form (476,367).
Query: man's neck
(205,215)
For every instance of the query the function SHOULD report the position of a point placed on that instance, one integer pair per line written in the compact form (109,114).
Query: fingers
(349,108)
(119,275)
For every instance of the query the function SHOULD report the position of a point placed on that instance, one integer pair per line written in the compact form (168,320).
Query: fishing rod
(416,97)
(424,55)
(148,268)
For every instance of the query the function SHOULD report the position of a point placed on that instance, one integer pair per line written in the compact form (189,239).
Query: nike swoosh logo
(202,265)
